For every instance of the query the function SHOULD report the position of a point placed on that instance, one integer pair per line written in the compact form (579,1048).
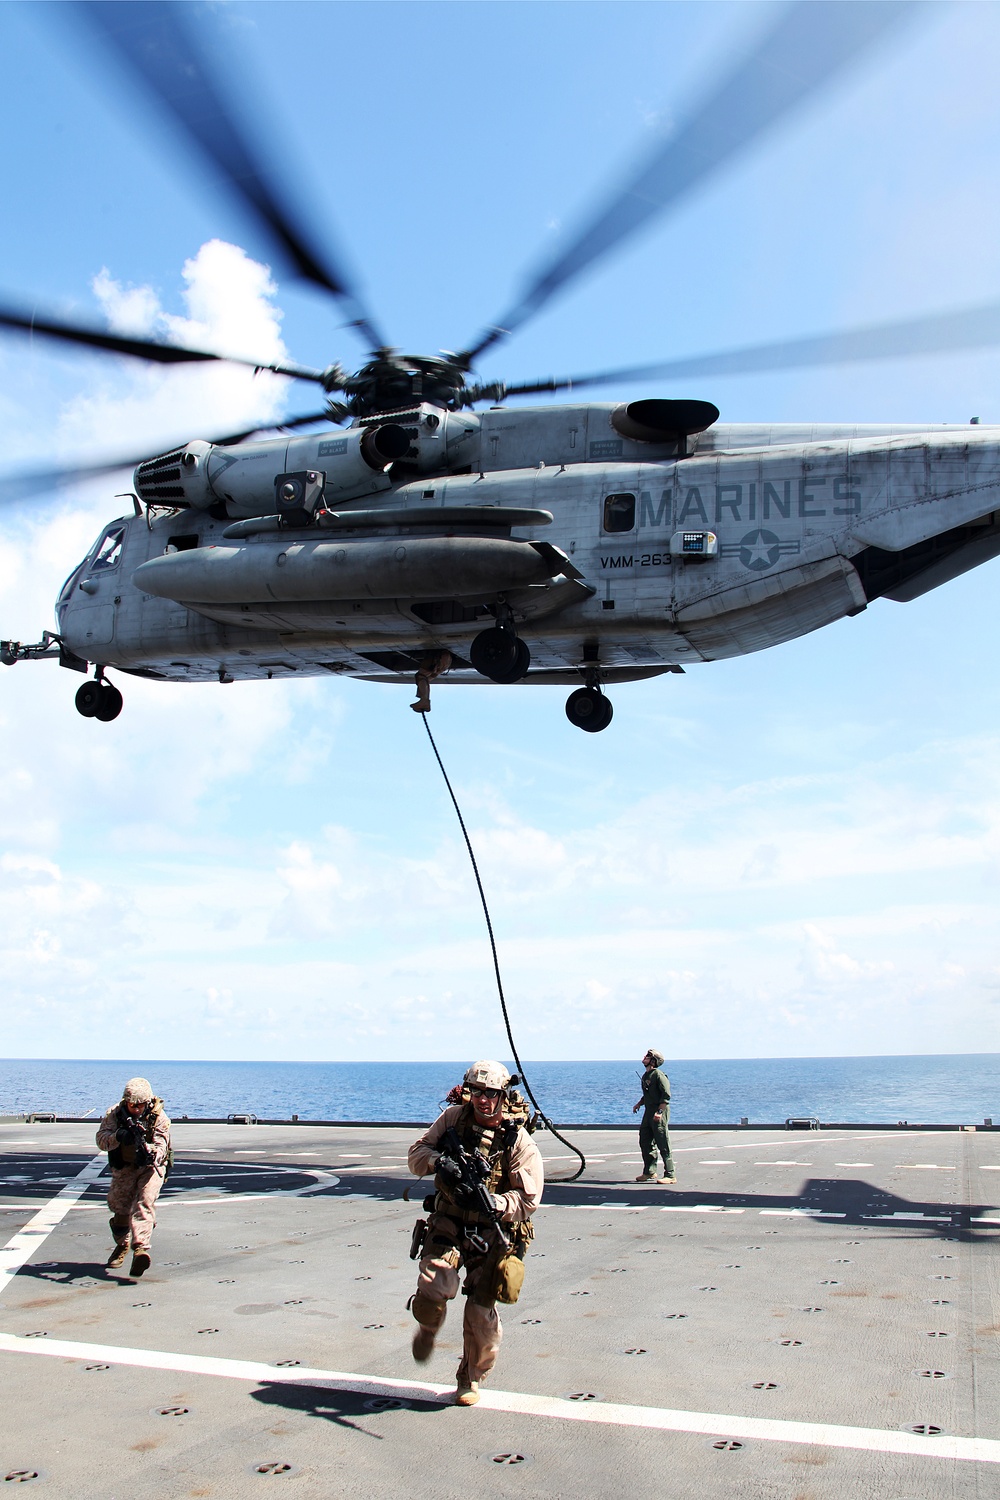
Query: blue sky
(792,854)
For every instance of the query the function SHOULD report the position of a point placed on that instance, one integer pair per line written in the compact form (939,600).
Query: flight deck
(807,1315)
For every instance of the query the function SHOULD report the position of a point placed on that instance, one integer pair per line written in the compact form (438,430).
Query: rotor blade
(292,422)
(940,333)
(155,43)
(164,354)
(33,485)
(811,41)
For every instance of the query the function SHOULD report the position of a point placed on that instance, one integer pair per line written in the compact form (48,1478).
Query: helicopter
(429,529)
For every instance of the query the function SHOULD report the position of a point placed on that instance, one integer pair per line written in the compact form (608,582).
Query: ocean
(958,1088)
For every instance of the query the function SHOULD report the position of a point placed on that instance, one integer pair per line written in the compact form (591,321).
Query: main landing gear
(99,699)
(500,654)
(588,709)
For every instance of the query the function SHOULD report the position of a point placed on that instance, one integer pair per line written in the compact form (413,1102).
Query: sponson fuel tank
(375,568)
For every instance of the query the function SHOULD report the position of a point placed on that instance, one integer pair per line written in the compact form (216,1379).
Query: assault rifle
(130,1131)
(468,1173)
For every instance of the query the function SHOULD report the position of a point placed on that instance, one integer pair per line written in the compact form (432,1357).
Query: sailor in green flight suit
(655,1106)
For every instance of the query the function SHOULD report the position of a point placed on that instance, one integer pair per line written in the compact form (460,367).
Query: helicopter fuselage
(657,555)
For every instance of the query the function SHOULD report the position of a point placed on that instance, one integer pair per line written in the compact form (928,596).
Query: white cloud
(136,408)
(337,943)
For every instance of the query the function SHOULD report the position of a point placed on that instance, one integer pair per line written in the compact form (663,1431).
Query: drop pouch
(510,1277)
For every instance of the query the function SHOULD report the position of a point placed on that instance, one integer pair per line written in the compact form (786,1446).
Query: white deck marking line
(597,1208)
(323,1180)
(701,1208)
(21,1247)
(902,1218)
(712,1424)
(816,1138)
(799,1213)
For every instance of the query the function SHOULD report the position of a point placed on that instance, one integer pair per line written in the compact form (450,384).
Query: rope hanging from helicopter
(496,964)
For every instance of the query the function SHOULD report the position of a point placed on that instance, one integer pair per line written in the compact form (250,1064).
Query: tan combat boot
(117,1256)
(140,1263)
(466,1390)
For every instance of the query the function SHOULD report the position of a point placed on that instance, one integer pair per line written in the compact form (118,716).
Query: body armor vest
(492,1143)
(123,1154)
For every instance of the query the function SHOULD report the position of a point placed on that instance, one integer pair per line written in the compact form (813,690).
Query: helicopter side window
(619,513)
(67,587)
(109,551)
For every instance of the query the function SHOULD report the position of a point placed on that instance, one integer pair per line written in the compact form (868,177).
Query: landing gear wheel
(88,699)
(499,655)
(110,705)
(519,668)
(588,709)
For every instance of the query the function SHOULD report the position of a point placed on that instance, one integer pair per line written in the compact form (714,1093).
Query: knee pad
(429,1314)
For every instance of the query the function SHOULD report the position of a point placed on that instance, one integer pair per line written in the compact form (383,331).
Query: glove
(448,1168)
(123,1134)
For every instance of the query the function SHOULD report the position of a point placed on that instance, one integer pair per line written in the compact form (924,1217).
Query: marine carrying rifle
(468,1173)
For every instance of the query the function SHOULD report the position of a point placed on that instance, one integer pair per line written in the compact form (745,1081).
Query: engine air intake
(159,478)
(660,421)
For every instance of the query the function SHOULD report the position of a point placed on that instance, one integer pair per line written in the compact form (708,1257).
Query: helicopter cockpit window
(619,513)
(109,549)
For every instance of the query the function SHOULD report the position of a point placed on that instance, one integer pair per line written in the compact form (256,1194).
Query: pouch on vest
(510,1278)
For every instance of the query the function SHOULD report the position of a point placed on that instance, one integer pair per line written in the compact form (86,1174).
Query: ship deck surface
(794,1319)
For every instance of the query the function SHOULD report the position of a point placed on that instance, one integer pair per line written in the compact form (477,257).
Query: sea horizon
(934,1088)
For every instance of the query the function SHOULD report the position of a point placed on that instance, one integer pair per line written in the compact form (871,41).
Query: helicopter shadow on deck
(854,1202)
(33,1177)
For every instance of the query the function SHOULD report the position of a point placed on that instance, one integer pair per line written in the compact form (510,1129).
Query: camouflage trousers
(653,1137)
(132,1199)
(438,1284)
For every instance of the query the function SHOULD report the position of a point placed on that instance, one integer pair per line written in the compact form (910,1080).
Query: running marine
(488,1182)
(136,1135)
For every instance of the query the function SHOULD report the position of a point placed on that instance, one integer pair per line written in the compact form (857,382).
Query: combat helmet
(487,1075)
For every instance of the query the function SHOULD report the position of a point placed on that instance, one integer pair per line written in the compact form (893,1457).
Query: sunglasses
(486,1093)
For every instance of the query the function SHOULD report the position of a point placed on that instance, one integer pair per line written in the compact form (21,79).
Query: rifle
(131,1130)
(468,1171)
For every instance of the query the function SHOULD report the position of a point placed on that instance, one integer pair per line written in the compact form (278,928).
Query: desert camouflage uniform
(519,1191)
(135,1189)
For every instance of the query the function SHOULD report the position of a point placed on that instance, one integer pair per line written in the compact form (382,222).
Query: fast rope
(496,965)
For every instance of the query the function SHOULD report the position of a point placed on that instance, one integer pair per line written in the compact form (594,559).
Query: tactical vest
(493,1143)
(123,1153)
